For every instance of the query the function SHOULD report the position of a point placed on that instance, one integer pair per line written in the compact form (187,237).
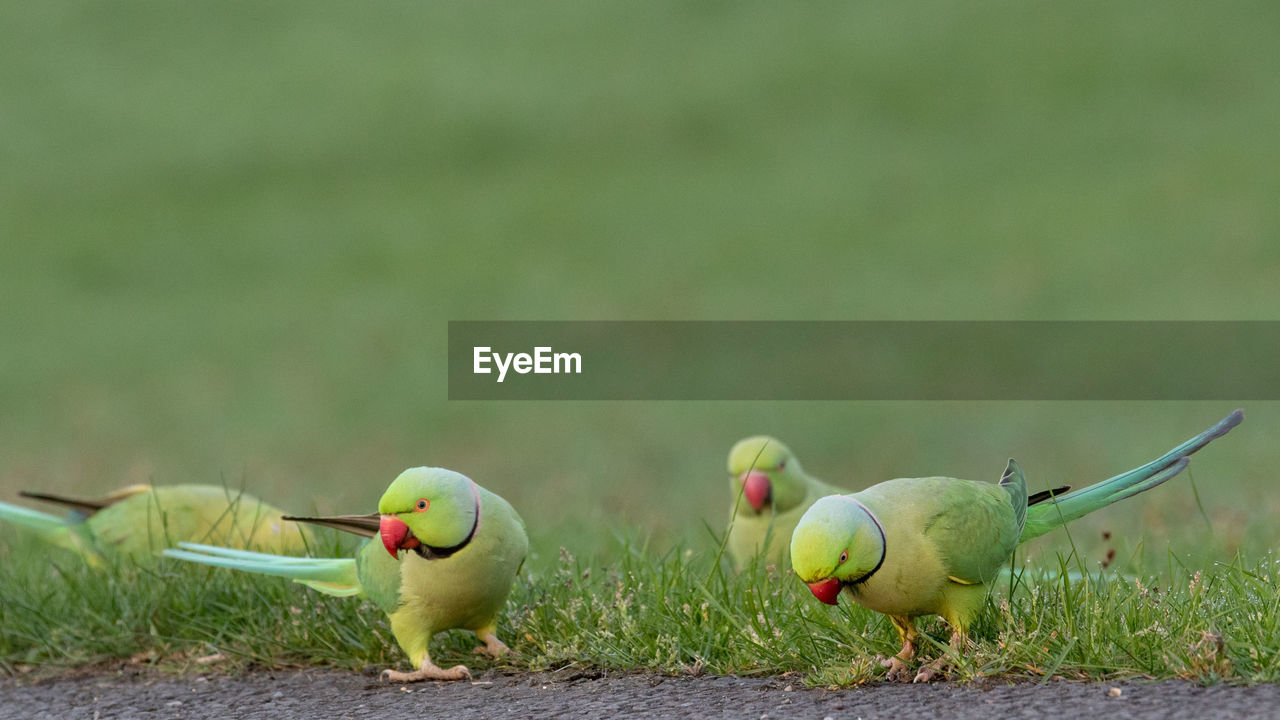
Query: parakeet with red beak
(931,546)
(443,553)
(137,521)
(770,492)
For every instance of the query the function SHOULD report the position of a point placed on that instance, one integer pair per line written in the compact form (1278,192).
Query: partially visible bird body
(138,521)
(923,546)
(770,492)
(428,572)
(767,534)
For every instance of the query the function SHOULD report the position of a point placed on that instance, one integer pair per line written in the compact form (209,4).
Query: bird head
(765,474)
(837,543)
(431,511)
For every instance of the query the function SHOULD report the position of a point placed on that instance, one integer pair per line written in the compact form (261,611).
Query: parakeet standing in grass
(447,556)
(930,546)
(770,492)
(138,521)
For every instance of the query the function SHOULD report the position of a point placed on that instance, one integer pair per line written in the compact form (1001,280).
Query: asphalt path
(571,693)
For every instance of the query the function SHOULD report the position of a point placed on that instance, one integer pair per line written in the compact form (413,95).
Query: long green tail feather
(1045,516)
(333,576)
(235,554)
(31,519)
(54,530)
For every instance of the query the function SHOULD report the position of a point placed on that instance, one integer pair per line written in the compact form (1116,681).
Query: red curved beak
(396,535)
(757,489)
(827,591)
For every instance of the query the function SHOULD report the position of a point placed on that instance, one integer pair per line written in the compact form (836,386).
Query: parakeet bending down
(930,546)
(448,555)
(139,520)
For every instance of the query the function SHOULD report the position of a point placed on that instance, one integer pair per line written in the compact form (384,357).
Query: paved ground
(308,695)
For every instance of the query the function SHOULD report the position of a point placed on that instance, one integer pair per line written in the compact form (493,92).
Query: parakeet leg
(938,668)
(963,602)
(898,670)
(428,671)
(493,647)
(413,634)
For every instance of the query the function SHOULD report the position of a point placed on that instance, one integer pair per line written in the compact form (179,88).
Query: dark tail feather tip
(1225,425)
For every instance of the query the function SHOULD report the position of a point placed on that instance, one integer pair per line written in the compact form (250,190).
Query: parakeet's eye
(422,505)
(782,464)
(844,556)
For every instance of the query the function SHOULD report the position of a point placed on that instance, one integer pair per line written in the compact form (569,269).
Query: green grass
(672,612)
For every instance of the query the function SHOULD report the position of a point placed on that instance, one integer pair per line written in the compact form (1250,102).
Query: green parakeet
(770,492)
(137,521)
(447,556)
(930,546)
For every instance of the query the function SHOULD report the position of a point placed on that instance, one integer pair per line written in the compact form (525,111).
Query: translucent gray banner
(696,360)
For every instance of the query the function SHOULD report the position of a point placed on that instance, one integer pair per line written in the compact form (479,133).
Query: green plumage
(922,546)
(138,521)
(465,549)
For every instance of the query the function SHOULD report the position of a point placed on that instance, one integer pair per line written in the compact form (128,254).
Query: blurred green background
(231,236)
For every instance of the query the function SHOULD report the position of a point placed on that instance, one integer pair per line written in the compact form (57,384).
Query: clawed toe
(898,669)
(427,672)
(929,673)
(493,647)
(925,675)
